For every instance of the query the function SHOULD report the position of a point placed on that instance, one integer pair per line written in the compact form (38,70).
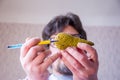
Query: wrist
(44,76)
(83,78)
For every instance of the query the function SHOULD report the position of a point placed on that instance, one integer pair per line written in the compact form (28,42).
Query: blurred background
(20,19)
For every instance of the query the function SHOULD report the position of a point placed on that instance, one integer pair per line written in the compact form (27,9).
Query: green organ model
(65,40)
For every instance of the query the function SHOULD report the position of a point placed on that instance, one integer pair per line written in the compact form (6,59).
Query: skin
(36,59)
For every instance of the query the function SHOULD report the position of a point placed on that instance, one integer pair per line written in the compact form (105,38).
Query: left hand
(82,61)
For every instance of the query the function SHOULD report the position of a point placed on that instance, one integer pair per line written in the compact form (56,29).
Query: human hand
(84,66)
(34,59)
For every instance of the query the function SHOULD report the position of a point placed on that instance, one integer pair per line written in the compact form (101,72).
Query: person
(47,62)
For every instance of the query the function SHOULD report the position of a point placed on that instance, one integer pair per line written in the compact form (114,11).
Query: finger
(50,60)
(28,38)
(71,68)
(90,51)
(27,45)
(33,52)
(79,56)
(71,62)
(40,58)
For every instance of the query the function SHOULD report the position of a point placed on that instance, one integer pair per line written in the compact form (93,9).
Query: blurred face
(58,65)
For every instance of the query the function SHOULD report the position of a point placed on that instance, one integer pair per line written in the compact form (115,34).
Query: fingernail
(68,48)
(62,51)
(79,44)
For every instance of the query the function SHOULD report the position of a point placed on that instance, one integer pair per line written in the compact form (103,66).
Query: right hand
(34,59)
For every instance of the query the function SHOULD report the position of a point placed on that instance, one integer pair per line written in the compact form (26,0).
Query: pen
(20,45)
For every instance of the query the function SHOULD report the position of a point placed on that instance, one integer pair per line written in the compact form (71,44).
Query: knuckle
(24,47)
(75,63)
(30,67)
(86,46)
(82,59)
(24,64)
(33,49)
(50,59)
(35,40)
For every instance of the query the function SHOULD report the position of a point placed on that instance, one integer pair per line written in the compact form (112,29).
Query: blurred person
(47,62)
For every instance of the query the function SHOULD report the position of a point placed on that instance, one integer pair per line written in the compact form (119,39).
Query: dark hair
(58,23)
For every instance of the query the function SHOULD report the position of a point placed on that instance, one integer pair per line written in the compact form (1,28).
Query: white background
(92,12)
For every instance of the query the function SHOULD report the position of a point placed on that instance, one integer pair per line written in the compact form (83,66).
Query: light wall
(92,12)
